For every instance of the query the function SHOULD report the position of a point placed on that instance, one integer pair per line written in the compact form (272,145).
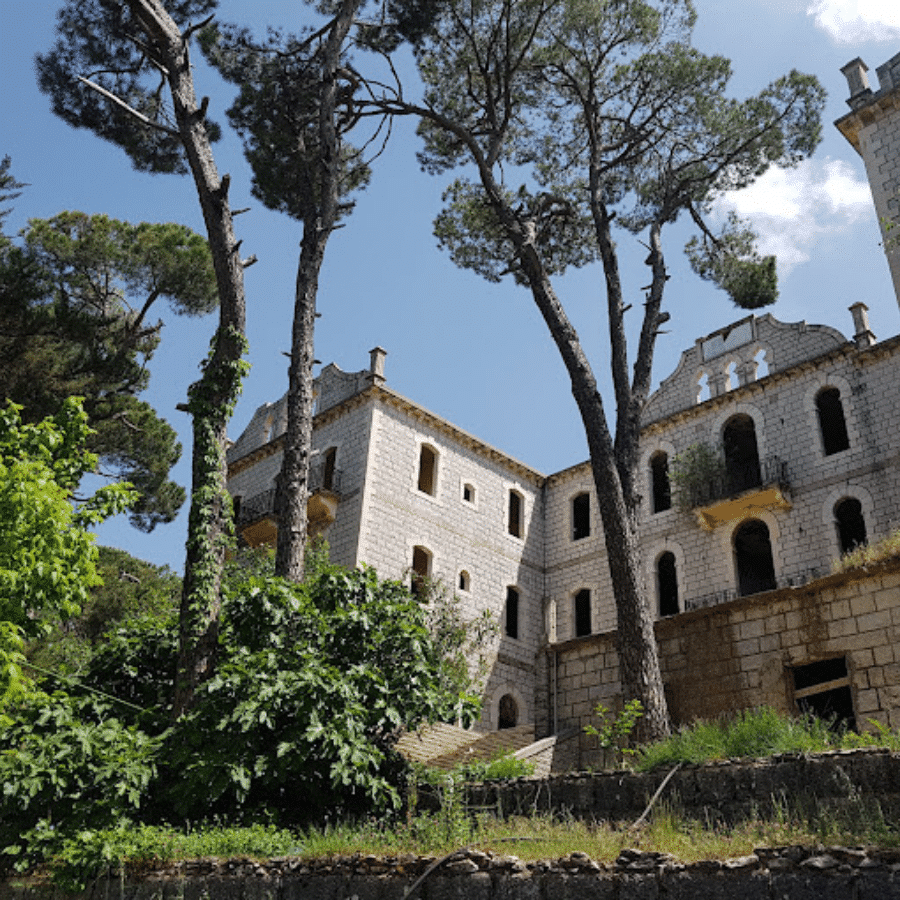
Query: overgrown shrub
(67,765)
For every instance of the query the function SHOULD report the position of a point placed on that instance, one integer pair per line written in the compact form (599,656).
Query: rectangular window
(581,517)
(822,689)
(512,613)
(515,514)
(583,613)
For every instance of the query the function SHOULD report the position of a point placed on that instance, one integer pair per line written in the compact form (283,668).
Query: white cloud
(856,21)
(792,209)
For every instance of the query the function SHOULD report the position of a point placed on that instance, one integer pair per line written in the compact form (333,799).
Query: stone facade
(415,492)
(799,428)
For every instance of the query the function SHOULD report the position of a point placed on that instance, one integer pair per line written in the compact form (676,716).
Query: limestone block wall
(348,433)
(804,536)
(574,564)
(741,654)
(461,535)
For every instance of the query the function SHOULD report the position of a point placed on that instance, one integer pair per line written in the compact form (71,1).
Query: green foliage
(593,104)
(694,473)
(131,589)
(47,557)
(759,732)
(730,261)
(139,848)
(314,685)
(614,732)
(66,765)
(277,113)
(75,296)
(96,39)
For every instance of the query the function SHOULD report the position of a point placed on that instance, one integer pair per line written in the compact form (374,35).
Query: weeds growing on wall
(870,554)
(758,733)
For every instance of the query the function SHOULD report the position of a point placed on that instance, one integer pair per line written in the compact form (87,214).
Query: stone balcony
(255,519)
(742,491)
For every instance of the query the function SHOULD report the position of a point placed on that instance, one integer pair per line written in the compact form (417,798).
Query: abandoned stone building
(795,434)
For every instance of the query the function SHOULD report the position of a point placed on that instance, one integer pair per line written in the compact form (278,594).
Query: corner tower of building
(873,128)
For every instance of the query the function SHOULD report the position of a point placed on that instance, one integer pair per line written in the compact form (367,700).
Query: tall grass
(758,732)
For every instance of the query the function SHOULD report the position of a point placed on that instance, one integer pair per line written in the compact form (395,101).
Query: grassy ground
(753,733)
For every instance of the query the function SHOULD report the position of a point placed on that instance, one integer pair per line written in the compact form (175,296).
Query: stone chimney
(858,82)
(863,334)
(376,365)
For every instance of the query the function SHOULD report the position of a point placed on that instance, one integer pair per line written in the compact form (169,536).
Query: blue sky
(475,353)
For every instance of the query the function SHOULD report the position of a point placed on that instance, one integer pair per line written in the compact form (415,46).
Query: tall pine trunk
(211,399)
(319,219)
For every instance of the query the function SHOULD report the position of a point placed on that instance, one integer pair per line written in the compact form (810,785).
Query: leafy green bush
(315,684)
(67,765)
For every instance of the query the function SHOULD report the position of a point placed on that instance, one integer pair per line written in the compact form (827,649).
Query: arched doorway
(753,558)
(508,712)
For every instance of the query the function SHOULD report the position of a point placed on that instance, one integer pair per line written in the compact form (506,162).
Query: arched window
(330,459)
(421,569)
(581,517)
(832,425)
(511,613)
(753,557)
(508,713)
(463,580)
(515,522)
(851,525)
(667,584)
(741,453)
(427,470)
(583,613)
(659,476)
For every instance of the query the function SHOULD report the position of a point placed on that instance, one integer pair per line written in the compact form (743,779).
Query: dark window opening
(822,689)
(421,563)
(509,712)
(511,623)
(236,507)
(667,581)
(464,580)
(583,613)
(581,517)
(753,555)
(515,514)
(468,493)
(741,453)
(328,471)
(659,474)
(427,467)
(832,424)
(851,525)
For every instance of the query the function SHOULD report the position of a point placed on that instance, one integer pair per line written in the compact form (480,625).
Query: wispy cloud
(855,21)
(792,209)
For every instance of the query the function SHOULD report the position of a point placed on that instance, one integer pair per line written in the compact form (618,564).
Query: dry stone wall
(835,873)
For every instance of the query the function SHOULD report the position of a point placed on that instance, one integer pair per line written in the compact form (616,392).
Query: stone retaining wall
(835,873)
(865,781)
(743,654)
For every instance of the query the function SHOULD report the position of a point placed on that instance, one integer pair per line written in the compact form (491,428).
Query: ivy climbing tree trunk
(211,399)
